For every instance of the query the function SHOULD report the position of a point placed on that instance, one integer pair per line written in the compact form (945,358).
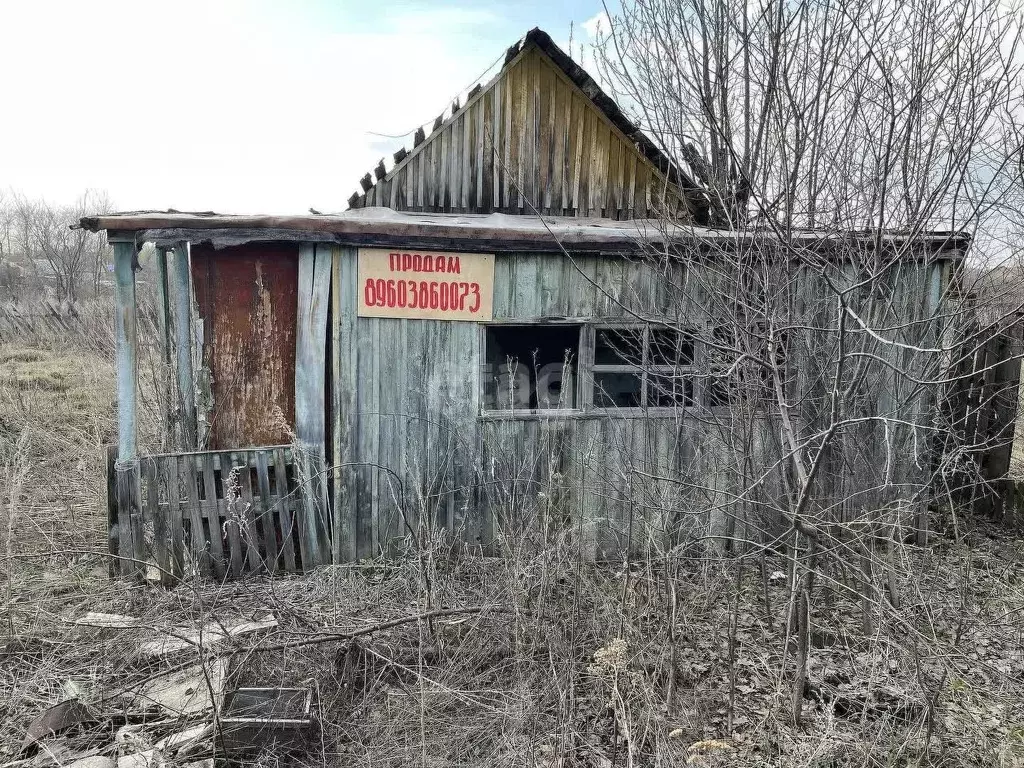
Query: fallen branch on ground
(334,636)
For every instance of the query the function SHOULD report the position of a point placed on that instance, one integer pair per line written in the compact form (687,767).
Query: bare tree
(832,139)
(36,238)
(73,255)
(851,114)
(15,234)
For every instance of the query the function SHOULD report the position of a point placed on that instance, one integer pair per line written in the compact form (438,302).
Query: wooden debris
(210,634)
(57,719)
(106,620)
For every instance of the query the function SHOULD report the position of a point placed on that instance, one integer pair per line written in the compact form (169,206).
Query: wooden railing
(214,514)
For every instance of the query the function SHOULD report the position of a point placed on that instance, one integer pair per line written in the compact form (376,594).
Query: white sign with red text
(429,285)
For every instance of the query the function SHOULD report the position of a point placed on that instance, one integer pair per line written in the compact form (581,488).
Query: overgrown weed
(677,658)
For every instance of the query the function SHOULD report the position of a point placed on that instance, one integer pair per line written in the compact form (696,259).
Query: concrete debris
(95,761)
(189,691)
(133,737)
(204,637)
(183,739)
(176,705)
(151,758)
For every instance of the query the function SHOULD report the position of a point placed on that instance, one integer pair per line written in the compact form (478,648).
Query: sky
(239,105)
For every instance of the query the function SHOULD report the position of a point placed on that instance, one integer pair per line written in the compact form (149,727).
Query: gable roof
(540,137)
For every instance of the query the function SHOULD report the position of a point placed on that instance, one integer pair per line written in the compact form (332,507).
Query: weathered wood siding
(247,299)
(531,139)
(411,445)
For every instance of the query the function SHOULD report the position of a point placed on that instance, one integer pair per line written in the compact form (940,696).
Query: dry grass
(651,663)
(568,669)
(57,402)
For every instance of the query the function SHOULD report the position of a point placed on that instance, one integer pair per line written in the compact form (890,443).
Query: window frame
(644,370)
(586,368)
(714,367)
(531,413)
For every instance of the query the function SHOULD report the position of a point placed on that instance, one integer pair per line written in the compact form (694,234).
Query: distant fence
(90,321)
(40,319)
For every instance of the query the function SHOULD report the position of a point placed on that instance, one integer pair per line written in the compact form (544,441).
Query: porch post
(129,500)
(126,335)
(315,265)
(181,296)
(164,322)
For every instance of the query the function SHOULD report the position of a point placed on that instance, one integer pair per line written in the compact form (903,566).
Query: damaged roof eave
(497,232)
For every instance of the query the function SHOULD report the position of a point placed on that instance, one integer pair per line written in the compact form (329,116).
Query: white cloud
(598,24)
(217,105)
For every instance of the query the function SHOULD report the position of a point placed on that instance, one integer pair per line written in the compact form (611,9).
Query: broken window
(531,367)
(643,367)
(536,367)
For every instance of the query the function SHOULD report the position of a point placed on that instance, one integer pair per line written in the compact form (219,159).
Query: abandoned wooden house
(443,358)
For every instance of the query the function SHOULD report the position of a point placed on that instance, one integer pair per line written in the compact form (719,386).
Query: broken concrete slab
(183,692)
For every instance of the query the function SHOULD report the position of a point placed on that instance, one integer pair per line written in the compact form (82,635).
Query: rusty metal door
(248,299)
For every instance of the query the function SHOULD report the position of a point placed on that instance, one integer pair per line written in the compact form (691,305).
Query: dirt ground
(557,662)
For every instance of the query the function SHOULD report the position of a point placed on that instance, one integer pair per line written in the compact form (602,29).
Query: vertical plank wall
(410,446)
(529,139)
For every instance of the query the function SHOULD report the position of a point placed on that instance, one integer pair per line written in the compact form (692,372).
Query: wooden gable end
(530,136)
